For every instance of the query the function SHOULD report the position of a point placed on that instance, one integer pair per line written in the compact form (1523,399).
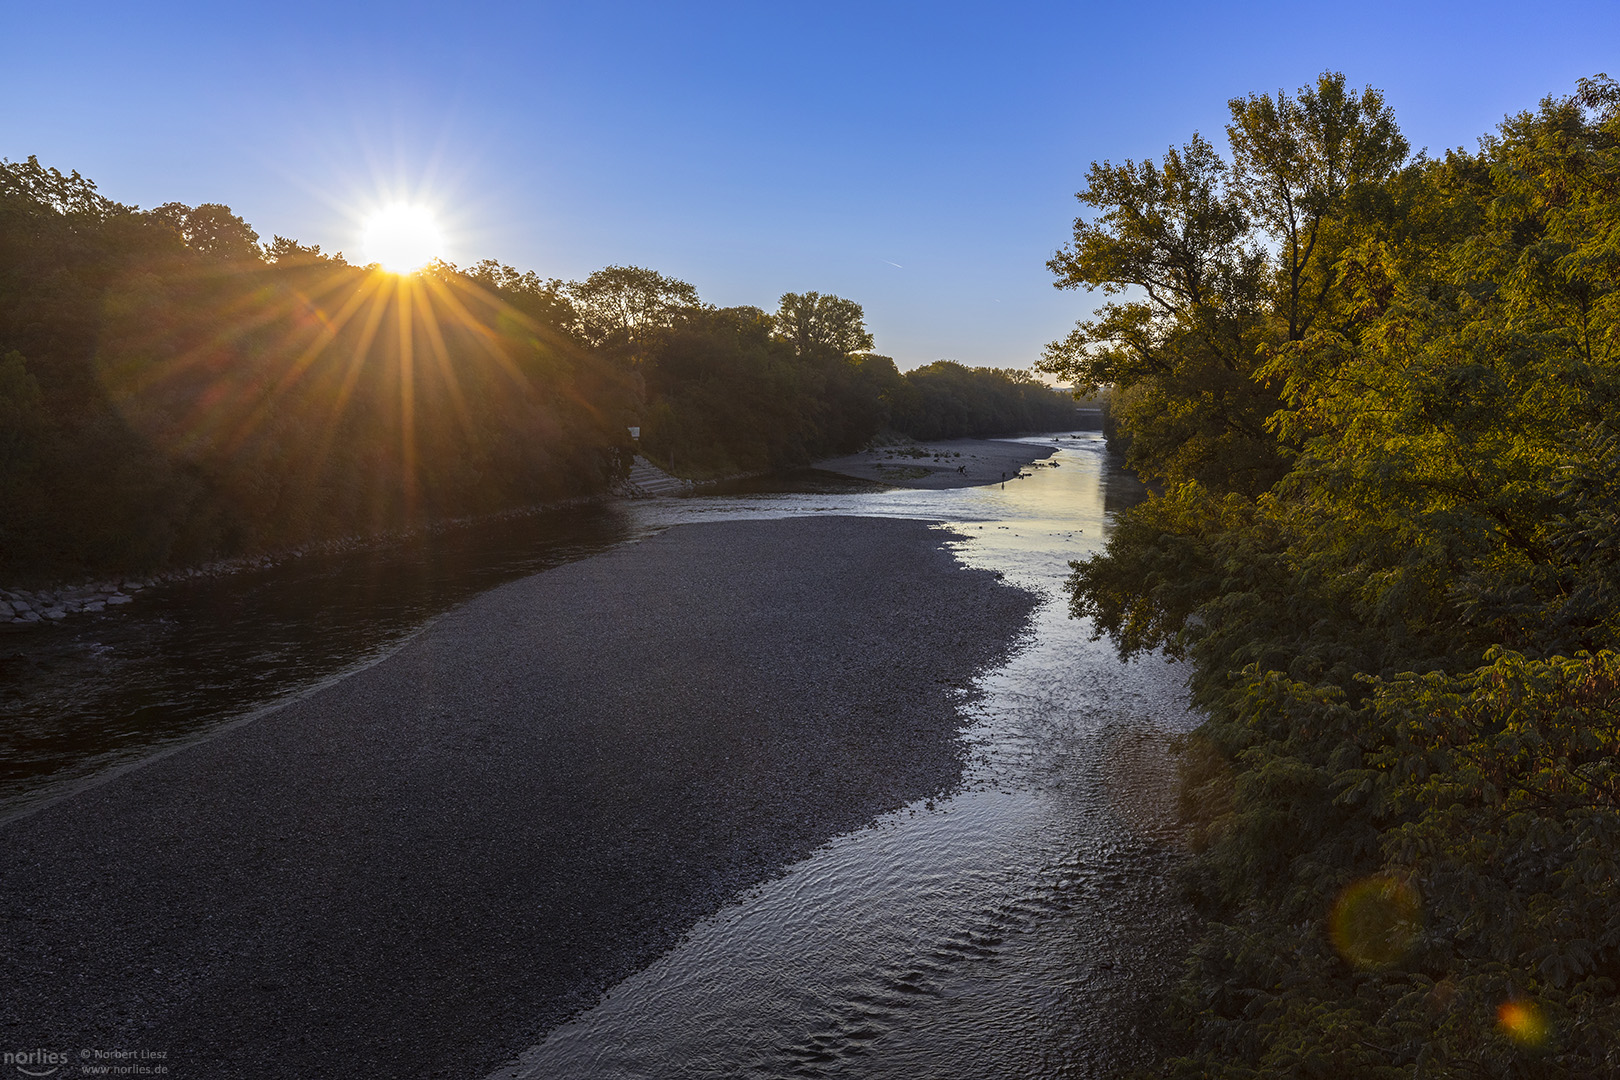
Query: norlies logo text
(35,1062)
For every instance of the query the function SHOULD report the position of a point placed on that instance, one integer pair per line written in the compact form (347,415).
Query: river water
(1020,925)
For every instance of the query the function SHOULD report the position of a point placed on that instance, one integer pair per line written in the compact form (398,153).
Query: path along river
(1016,926)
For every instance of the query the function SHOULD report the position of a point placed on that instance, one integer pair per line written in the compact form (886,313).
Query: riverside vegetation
(174,392)
(1377,391)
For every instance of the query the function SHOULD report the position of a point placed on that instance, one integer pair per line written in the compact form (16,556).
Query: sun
(402,238)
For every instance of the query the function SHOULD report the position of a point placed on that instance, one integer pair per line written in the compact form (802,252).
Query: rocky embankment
(21,609)
(30,609)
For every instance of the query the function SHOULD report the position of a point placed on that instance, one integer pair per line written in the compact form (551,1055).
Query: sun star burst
(402,238)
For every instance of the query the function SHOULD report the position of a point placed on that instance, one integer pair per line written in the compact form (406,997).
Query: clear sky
(920,159)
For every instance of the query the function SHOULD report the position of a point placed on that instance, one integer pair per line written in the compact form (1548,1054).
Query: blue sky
(920,159)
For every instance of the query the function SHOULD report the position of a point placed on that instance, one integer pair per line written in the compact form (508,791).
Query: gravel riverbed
(418,869)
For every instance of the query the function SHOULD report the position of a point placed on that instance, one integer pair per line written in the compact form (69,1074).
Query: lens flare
(1522,1022)
(402,238)
(1376,920)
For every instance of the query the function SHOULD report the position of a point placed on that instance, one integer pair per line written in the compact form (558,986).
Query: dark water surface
(99,691)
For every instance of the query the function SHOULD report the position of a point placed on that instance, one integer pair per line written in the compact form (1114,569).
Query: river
(1019,925)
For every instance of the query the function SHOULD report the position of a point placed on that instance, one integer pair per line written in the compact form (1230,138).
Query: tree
(1297,165)
(1174,242)
(210,229)
(1223,268)
(22,423)
(813,323)
(182,399)
(543,299)
(946,400)
(1406,647)
(283,251)
(622,305)
(50,189)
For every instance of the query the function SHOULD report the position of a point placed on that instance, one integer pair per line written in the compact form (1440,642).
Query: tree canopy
(1215,269)
(1401,610)
(172,393)
(623,305)
(812,323)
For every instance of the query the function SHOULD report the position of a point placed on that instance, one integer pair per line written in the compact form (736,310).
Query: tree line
(174,390)
(1378,393)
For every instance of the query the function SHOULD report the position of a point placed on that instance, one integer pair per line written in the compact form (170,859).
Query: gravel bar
(948,463)
(419,869)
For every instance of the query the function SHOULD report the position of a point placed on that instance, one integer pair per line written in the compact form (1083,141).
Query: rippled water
(1015,928)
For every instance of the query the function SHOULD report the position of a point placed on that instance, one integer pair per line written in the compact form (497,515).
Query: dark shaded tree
(168,396)
(812,323)
(623,307)
(945,400)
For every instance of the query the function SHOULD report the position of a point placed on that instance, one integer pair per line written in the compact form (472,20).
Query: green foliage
(1406,642)
(810,323)
(728,398)
(1205,306)
(211,230)
(1304,169)
(28,185)
(1172,240)
(281,250)
(622,307)
(22,425)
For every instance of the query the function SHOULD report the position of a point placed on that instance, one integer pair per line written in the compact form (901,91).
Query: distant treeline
(172,390)
(1380,394)
(945,400)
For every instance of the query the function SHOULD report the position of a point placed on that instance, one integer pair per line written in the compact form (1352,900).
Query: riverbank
(948,463)
(416,870)
(43,605)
